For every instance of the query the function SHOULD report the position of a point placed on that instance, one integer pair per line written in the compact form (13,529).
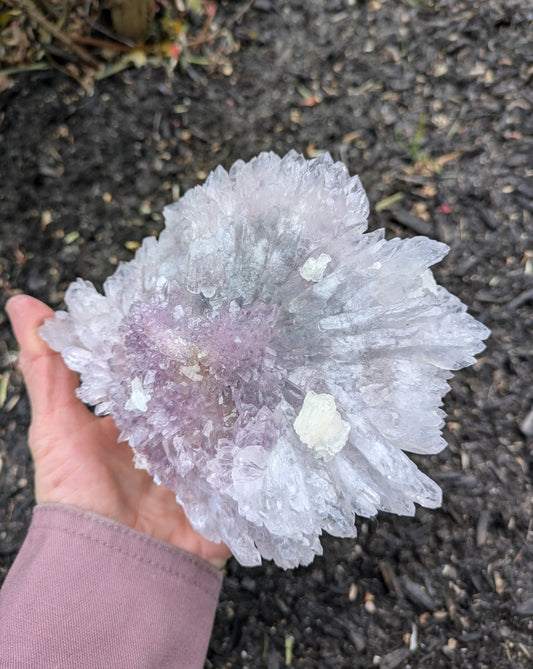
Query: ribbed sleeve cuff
(86,591)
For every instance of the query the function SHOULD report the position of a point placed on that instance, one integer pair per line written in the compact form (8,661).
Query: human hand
(78,458)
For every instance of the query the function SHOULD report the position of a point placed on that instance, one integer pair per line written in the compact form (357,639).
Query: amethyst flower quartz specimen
(269,361)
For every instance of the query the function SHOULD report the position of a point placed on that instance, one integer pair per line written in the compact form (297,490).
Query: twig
(518,556)
(35,14)
(106,44)
(66,14)
(95,25)
(238,16)
(521,299)
(49,9)
(66,71)
(17,69)
(210,38)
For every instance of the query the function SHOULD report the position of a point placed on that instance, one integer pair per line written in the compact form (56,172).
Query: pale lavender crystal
(269,361)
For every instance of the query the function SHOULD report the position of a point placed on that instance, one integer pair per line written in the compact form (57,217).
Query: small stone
(370,607)
(46,219)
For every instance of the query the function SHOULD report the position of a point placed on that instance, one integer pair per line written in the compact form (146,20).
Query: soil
(431,104)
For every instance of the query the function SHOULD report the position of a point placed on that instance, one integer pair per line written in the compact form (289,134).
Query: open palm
(78,458)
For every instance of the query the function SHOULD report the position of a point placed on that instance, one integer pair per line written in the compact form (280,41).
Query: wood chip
(390,579)
(482,527)
(525,608)
(394,659)
(526,426)
(352,594)
(521,299)
(417,595)
(4,382)
(412,222)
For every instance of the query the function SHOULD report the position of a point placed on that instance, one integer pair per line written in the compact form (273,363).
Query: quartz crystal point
(271,362)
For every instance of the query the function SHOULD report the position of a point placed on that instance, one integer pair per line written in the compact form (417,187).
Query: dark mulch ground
(430,102)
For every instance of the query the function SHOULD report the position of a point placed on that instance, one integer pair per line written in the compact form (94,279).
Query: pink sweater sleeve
(85,592)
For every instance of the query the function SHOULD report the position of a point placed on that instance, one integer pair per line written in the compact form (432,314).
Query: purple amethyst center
(199,367)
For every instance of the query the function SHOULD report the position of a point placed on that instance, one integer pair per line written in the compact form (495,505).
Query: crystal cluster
(269,361)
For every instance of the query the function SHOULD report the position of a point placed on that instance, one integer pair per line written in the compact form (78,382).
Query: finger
(26,315)
(51,385)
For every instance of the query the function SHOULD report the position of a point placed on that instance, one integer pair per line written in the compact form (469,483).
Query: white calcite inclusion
(313,268)
(320,426)
(138,400)
(192,372)
(270,361)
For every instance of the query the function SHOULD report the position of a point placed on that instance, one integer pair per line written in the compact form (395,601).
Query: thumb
(51,385)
